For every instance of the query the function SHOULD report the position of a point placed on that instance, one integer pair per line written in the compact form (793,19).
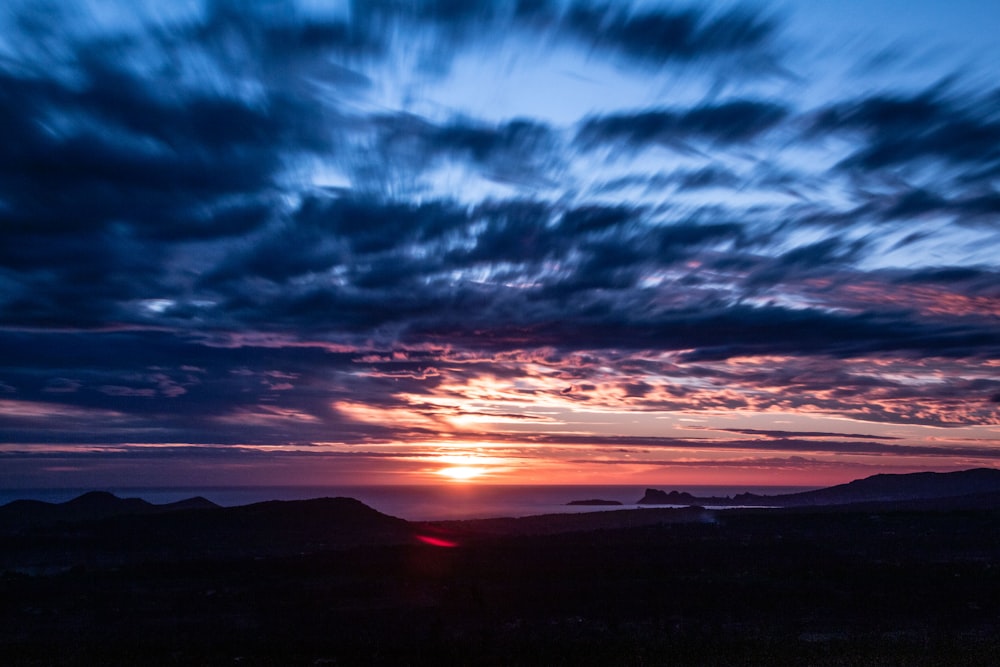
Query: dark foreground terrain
(332,582)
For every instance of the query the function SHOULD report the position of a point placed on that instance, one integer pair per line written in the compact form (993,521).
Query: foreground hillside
(116,531)
(334,582)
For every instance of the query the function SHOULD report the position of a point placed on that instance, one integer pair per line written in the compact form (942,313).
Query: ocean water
(415,503)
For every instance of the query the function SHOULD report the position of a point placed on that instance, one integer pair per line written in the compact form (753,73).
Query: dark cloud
(979,208)
(105,163)
(900,131)
(507,149)
(370,244)
(661,35)
(648,36)
(116,148)
(725,123)
(799,263)
(709,177)
(374,226)
(770,433)
(205,395)
(519,150)
(632,322)
(953,274)
(778,445)
(281,34)
(340,231)
(592,218)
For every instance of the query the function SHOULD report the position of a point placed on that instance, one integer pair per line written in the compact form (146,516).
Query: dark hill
(321,521)
(273,528)
(913,486)
(877,488)
(91,506)
(268,528)
(195,503)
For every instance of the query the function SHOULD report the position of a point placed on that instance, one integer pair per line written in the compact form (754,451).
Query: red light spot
(437,541)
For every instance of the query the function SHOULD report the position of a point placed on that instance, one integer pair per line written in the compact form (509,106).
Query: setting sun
(465,467)
(462,473)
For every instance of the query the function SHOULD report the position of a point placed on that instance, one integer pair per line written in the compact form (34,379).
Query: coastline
(440,502)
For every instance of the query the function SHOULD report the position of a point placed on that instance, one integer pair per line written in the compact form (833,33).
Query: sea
(415,502)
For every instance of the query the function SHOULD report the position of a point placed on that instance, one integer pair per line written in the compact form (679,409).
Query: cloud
(168,166)
(518,151)
(772,433)
(726,123)
(662,35)
(778,445)
(646,37)
(907,130)
(268,223)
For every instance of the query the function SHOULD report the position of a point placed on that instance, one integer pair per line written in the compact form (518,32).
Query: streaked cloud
(268,224)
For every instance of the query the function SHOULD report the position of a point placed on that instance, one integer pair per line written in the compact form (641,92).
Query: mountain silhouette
(101,530)
(317,523)
(912,486)
(918,486)
(91,506)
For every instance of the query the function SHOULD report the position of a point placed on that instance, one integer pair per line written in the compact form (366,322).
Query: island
(594,502)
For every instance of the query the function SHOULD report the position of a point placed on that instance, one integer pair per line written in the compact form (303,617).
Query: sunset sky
(547,241)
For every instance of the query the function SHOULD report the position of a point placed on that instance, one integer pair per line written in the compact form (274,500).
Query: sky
(533,242)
